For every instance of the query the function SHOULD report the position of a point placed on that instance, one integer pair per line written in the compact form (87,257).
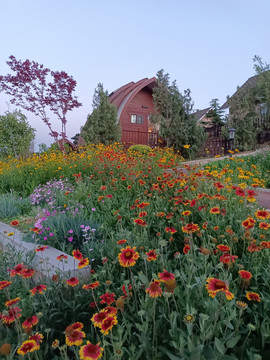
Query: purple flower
(70,239)
(70,231)
(93,209)
(81,226)
(45,238)
(50,234)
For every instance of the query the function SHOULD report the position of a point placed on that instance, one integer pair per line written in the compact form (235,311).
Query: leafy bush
(11,206)
(142,149)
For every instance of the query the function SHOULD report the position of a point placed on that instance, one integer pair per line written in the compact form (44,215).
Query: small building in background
(134,103)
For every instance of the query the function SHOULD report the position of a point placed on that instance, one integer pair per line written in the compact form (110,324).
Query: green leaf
(233,341)
(220,346)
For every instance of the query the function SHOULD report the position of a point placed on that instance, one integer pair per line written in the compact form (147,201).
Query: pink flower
(70,231)
(70,239)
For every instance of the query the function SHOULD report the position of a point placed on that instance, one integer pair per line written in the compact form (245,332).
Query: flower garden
(175,263)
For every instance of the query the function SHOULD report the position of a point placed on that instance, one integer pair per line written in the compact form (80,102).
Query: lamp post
(231,138)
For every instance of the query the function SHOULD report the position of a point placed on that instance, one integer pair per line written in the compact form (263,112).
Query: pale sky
(206,46)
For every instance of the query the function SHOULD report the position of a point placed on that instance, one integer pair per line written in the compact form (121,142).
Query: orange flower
(41,248)
(91,351)
(227,258)
(12,301)
(140,222)
(91,286)
(61,257)
(14,223)
(12,315)
(17,270)
(223,248)
(154,289)
(170,230)
(151,255)
(128,256)
(142,214)
(83,263)
(214,286)
(39,289)
(4,284)
(215,210)
(30,322)
(186,249)
(252,296)
(28,273)
(77,254)
(248,223)
(142,205)
(245,274)
(190,228)
(262,214)
(120,242)
(186,213)
(264,226)
(73,281)
(165,275)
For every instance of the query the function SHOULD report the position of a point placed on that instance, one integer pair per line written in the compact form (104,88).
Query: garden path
(263,194)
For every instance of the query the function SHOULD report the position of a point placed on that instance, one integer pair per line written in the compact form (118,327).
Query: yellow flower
(186,146)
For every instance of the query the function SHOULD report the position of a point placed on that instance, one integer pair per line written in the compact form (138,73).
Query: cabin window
(136,119)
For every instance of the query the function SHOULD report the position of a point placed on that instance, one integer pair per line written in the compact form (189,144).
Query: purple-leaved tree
(37,89)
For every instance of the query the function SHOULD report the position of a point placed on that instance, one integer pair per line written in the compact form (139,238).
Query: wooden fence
(151,139)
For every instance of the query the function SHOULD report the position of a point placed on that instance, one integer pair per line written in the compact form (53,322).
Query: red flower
(28,273)
(108,324)
(214,286)
(41,248)
(190,228)
(91,351)
(120,242)
(252,296)
(28,346)
(226,258)
(36,337)
(165,275)
(245,274)
(30,322)
(91,286)
(154,290)
(170,230)
(186,249)
(142,214)
(143,205)
(77,254)
(262,214)
(128,256)
(72,281)
(75,338)
(151,255)
(17,270)
(98,318)
(83,263)
(264,226)
(107,298)
(14,223)
(12,301)
(4,284)
(61,257)
(39,289)
(215,210)
(223,248)
(13,314)
(140,222)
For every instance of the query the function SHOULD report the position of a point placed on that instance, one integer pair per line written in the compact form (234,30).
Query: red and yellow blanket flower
(128,256)
(215,286)
(91,351)
(154,290)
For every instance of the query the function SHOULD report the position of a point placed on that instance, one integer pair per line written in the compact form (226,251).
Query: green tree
(215,114)
(263,83)
(101,126)
(16,135)
(173,114)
